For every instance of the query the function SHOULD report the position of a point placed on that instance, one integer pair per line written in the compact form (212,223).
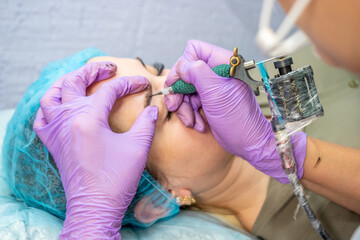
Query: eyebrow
(158,66)
(148,96)
(141,61)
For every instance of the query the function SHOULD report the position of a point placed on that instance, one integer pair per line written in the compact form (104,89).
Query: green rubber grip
(186,88)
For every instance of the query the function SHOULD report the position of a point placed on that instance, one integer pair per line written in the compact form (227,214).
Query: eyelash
(158,66)
(168,116)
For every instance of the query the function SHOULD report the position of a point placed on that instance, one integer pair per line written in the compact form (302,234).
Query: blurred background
(35,32)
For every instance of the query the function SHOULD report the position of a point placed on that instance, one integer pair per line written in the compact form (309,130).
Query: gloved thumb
(106,95)
(144,127)
(200,75)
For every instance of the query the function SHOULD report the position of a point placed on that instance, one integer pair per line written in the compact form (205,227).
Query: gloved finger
(39,121)
(52,97)
(195,50)
(199,124)
(195,101)
(186,114)
(75,83)
(50,100)
(194,71)
(143,129)
(173,101)
(173,75)
(186,70)
(106,95)
(212,55)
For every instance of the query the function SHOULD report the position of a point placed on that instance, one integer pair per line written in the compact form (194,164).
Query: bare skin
(333,170)
(197,165)
(194,163)
(333,28)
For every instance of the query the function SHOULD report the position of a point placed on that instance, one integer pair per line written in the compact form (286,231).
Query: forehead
(126,109)
(125,66)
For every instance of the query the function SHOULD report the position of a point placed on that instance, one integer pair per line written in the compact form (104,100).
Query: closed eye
(148,96)
(168,116)
(159,67)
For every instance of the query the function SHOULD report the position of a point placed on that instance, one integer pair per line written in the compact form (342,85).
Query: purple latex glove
(100,170)
(231,109)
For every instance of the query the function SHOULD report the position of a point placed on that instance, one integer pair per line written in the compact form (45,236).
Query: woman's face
(187,158)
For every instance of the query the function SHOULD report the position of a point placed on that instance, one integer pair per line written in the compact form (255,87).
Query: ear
(183,196)
(155,206)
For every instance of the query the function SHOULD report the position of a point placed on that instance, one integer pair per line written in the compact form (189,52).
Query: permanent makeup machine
(292,94)
(293,101)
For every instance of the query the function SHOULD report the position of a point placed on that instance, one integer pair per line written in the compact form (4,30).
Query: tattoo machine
(293,101)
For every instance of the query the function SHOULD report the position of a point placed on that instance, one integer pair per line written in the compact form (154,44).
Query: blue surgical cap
(32,173)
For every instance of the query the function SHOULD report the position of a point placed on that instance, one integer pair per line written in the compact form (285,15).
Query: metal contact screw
(353,83)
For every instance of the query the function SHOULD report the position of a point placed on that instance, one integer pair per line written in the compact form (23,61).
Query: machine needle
(164,91)
(159,93)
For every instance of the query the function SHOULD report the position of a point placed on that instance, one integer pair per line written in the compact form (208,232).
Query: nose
(157,84)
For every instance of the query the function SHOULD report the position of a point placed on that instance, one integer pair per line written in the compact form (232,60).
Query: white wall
(35,32)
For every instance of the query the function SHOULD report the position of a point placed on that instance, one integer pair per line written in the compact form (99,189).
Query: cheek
(185,153)
(322,55)
(125,111)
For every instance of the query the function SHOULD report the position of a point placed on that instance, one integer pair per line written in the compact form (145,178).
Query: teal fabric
(31,172)
(19,221)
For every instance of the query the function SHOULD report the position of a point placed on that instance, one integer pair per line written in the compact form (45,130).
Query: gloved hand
(100,170)
(231,109)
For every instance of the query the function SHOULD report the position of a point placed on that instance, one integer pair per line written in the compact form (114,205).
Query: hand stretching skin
(230,108)
(100,170)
